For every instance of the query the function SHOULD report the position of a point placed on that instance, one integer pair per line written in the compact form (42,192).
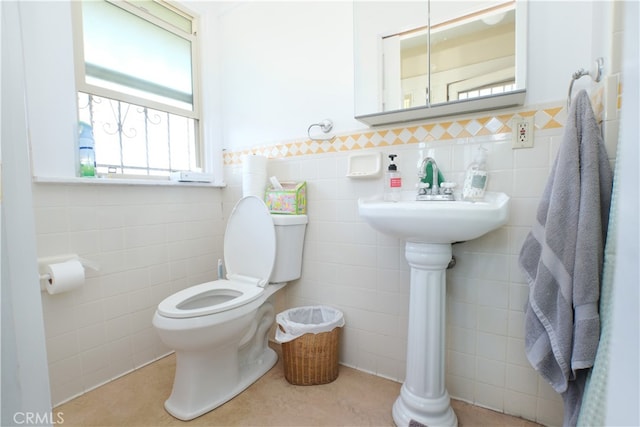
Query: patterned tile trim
(449,129)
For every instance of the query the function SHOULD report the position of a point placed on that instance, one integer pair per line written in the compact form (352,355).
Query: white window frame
(80,74)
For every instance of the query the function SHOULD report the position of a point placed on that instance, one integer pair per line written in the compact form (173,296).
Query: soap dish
(367,165)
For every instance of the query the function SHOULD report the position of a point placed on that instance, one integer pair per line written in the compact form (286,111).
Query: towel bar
(595,73)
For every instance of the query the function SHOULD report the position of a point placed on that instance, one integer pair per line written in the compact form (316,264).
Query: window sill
(124,181)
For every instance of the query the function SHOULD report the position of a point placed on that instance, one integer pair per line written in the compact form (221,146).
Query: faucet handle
(422,187)
(447,187)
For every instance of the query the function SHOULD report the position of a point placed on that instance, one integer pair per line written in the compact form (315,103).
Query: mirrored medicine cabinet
(421,59)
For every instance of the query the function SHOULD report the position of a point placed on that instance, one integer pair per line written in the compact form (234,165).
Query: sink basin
(435,221)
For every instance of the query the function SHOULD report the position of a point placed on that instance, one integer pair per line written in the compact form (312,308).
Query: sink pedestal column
(423,397)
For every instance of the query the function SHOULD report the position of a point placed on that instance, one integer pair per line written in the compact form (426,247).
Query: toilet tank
(289,243)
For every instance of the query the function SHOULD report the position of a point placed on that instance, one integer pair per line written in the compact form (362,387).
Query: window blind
(127,53)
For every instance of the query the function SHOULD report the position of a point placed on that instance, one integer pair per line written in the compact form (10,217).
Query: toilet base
(207,378)
(250,373)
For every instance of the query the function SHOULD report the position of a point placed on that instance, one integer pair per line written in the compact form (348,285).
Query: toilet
(219,329)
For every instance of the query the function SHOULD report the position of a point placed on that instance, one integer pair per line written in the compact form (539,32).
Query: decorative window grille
(137,80)
(486,91)
(137,140)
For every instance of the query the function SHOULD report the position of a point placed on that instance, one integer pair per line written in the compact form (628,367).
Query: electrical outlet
(522,132)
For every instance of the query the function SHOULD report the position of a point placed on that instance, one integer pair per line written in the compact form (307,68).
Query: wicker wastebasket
(310,342)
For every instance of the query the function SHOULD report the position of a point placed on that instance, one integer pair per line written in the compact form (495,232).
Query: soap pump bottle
(392,181)
(475,181)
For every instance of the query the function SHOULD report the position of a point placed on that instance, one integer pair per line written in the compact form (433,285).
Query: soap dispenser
(475,181)
(392,181)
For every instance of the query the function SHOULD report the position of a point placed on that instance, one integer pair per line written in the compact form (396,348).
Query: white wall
(623,386)
(25,382)
(286,72)
(561,38)
(51,97)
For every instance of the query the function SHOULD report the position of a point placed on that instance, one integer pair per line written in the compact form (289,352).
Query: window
(487,90)
(137,81)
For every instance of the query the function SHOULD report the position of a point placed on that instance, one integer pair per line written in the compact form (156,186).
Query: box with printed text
(291,199)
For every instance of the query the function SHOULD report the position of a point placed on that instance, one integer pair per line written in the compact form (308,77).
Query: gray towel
(562,259)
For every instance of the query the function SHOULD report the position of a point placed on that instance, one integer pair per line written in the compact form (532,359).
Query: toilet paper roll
(254,175)
(254,163)
(65,276)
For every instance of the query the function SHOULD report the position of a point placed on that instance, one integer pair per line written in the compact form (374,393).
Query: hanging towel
(562,259)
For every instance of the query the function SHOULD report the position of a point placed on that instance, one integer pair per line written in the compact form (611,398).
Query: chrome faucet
(435,192)
(422,173)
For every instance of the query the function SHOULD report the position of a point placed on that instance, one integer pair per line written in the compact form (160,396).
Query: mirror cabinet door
(472,49)
(378,29)
(417,56)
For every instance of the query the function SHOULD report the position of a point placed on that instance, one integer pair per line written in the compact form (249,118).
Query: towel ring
(325,126)
(595,73)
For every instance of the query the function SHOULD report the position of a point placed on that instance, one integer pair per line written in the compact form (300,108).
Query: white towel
(562,259)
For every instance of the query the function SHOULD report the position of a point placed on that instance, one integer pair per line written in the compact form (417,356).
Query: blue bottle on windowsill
(86,152)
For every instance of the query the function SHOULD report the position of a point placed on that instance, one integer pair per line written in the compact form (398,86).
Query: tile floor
(354,399)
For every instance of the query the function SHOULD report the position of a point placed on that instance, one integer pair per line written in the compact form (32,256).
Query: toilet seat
(250,253)
(208,298)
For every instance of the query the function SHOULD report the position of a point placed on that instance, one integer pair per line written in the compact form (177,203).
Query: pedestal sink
(428,229)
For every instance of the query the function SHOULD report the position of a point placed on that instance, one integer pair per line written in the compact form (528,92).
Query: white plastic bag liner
(304,320)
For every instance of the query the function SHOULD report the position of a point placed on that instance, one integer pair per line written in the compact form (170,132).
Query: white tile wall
(149,242)
(153,241)
(350,266)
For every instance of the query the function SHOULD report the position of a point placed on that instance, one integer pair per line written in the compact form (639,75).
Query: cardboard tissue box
(291,199)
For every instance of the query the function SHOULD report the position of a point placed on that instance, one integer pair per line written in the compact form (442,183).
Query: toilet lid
(250,240)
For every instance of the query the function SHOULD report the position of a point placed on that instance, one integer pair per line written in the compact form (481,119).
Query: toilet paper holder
(45,261)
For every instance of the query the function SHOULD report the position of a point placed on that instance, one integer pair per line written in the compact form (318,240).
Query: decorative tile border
(550,117)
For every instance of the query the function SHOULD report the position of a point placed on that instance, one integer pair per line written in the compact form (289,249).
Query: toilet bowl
(219,329)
